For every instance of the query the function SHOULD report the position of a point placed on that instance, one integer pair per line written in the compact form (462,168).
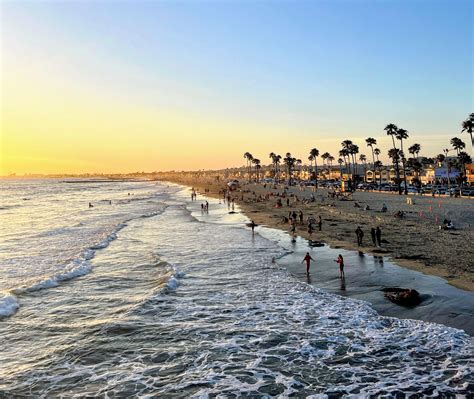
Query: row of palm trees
(349,151)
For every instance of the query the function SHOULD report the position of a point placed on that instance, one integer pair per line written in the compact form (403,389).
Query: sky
(111,86)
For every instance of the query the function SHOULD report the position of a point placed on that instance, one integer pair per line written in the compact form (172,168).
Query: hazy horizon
(105,87)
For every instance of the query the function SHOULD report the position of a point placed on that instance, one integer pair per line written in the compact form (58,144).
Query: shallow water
(183,304)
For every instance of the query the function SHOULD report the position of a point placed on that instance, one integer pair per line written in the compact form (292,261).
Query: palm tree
(299,163)
(370,143)
(248,156)
(346,146)
(310,159)
(468,126)
(330,159)
(415,149)
(458,144)
(340,162)
(289,162)
(378,166)
(464,158)
(325,156)
(315,154)
(377,153)
(354,150)
(363,159)
(392,130)
(394,154)
(401,135)
(344,153)
(272,156)
(277,163)
(256,162)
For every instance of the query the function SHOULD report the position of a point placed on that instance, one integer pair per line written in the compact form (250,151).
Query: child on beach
(340,260)
(308,260)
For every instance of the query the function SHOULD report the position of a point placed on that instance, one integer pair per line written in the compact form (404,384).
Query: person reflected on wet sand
(343,284)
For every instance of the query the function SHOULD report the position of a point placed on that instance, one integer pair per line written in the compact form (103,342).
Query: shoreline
(339,223)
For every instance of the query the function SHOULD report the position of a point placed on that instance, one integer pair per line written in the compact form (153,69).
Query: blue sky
(308,70)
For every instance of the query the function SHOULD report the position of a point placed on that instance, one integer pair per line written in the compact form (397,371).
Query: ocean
(143,295)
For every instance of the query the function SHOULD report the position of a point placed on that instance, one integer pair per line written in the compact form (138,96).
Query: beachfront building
(469,173)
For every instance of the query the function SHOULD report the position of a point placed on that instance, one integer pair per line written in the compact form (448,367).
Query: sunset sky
(130,86)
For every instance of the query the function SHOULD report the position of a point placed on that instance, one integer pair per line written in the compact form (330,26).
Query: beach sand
(414,241)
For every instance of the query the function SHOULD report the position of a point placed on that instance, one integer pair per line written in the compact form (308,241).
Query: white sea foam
(8,305)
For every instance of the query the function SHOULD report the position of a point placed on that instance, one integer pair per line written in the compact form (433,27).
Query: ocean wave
(8,305)
(77,268)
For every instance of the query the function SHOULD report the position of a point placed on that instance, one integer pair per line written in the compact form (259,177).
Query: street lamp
(446,151)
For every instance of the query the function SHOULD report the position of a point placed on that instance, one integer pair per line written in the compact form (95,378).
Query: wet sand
(414,242)
(366,275)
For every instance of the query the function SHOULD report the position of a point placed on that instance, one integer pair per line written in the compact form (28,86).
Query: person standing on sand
(288,202)
(340,260)
(308,260)
(360,235)
(320,223)
(372,234)
(378,234)
(301,217)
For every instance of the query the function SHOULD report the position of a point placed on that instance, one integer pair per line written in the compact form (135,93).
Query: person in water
(308,260)
(340,260)
(252,225)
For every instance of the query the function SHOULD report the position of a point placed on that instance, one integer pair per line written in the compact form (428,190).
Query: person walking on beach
(252,225)
(378,234)
(372,234)
(360,235)
(301,217)
(308,260)
(320,223)
(340,260)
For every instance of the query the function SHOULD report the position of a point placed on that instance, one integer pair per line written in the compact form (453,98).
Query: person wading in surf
(308,260)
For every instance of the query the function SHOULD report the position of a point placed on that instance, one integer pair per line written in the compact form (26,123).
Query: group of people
(339,260)
(375,234)
(205,207)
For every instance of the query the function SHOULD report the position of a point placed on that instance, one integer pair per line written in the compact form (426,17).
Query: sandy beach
(415,241)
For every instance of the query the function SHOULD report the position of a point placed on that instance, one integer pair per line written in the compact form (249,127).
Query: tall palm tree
(468,126)
(354,150)
(299,164)
(346,146)
(401,135)
(344,153)
(315,154)
(370,143)
(310,159)
(248,156)
(392,130)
